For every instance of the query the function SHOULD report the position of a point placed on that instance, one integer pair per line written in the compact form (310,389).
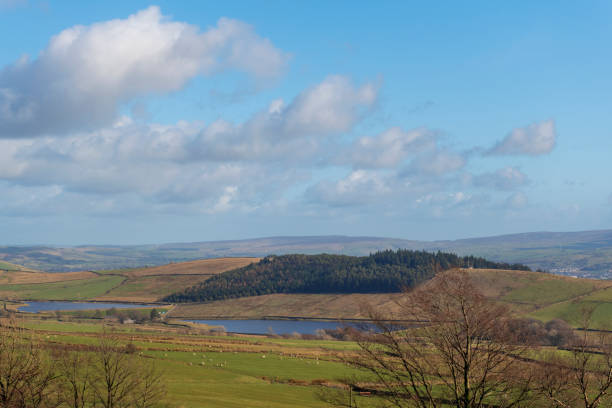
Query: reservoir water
(272,326)
(35,307)
(234,326)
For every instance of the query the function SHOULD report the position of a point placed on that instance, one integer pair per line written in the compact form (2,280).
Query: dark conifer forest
(381,272)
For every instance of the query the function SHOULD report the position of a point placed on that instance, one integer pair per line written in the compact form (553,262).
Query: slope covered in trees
(382,272)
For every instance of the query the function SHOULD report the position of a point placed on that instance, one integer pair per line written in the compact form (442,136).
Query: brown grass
(151,288)
(495,283)
(331,306)
(198,267)
(22,277)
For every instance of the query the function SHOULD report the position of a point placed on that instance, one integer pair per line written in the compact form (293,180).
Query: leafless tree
(75,376)
(122,378)
(458,351)
(151,388)
(582,377)
(26,378)
(114,379)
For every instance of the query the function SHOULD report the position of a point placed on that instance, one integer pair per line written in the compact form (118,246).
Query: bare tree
(582,378)
(114,380)
(26,378)
(458,351)
(121,378)
(75,375)
(151,388)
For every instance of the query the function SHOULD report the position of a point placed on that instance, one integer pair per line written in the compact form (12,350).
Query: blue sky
(136,122)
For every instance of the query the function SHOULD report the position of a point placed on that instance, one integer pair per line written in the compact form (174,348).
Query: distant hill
(585,254)
(382,272)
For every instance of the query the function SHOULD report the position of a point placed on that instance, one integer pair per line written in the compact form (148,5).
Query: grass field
(220,371)
(81,289)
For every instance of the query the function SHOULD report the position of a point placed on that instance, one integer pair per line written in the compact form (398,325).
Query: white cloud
(86,72)
(357,188)
(333,105)
(507,178)
(288,132)
(437,163)
(389,149)
(220,165)
(535,139)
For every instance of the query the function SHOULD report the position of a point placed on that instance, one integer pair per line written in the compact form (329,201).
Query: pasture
(221,371)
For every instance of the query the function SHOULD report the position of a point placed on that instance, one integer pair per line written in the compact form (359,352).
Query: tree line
(381,272)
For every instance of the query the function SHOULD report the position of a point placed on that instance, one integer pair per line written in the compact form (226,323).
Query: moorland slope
(125,285)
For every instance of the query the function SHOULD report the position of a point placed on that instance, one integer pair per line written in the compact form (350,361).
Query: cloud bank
(64,148)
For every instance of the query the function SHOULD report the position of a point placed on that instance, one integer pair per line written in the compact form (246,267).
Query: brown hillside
(21,277)
(152,284)
(324,306)
(198,267)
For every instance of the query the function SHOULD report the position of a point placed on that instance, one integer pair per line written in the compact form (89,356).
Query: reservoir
(235,326)
(35,307)
(273,326)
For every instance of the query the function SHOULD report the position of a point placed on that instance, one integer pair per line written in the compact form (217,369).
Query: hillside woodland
(381,272)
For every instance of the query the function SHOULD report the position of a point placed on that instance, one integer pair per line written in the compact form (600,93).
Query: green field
(550,291)
(572,310)
(68,290)
(226,371)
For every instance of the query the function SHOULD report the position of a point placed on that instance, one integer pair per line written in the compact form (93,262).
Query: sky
(136,122)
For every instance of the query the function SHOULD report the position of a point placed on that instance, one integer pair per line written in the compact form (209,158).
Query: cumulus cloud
(83,75)
(292,131)
(534,140)
(220,165)
(331,106)
(507,178)
(357,188)
(395,164)
(388,149)
(437,163)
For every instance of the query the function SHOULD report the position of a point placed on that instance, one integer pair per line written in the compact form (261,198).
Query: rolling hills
(538,295)
(586,253)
